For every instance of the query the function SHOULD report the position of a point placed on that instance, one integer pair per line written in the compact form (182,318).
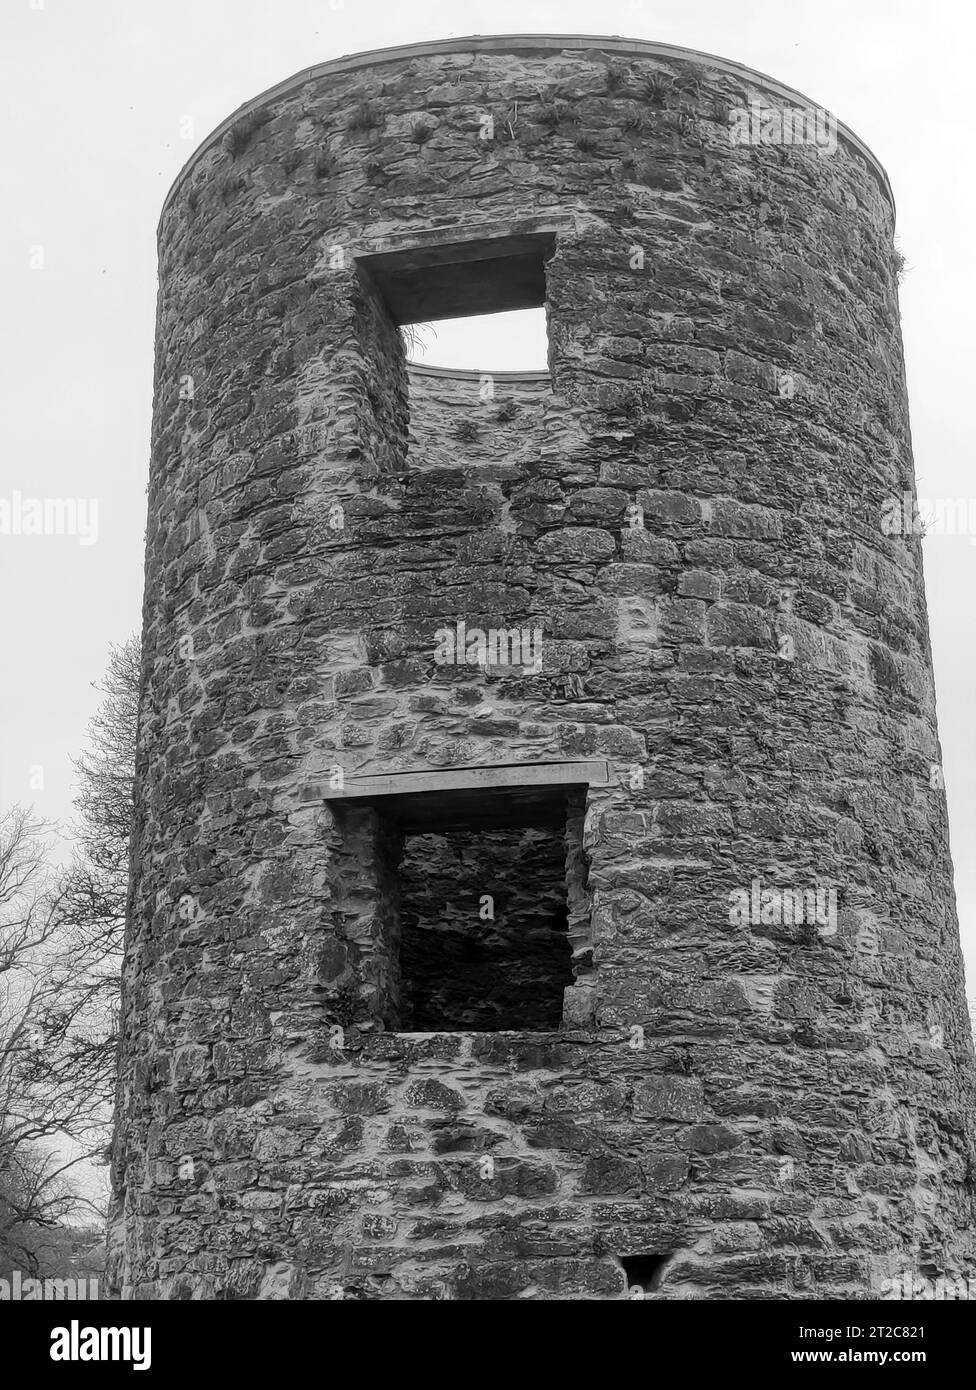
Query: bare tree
(35,1191)
(61,939)
(81,1024)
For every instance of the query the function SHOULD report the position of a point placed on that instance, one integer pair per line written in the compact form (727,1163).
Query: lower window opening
(466,912)
(483,944)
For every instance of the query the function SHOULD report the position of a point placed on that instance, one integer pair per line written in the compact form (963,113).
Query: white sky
(94,97)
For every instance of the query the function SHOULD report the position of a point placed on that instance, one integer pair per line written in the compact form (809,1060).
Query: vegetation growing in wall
(242,132)
(364,117)
(658,88)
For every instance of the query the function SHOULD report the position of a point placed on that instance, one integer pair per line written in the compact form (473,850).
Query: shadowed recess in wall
(483,920)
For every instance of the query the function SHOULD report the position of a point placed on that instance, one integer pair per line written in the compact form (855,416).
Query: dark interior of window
(483,942)
(644,1271)
(461,902)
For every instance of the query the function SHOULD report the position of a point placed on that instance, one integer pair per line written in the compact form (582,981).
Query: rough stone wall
(782,1111)
(500,416)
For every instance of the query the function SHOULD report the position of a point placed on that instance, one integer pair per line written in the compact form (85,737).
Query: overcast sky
(106,100)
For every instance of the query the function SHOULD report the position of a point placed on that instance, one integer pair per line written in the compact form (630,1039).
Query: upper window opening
(511,342)
(473,305)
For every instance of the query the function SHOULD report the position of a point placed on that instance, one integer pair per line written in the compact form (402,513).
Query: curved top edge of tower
(514,44)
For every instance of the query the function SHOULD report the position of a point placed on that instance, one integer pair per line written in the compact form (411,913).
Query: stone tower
(541,884)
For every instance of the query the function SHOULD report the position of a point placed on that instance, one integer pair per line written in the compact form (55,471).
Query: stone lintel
(491,777)
(435,280)
(469,798)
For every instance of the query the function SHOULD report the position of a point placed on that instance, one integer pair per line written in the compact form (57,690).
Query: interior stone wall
(483,931)
(689,509)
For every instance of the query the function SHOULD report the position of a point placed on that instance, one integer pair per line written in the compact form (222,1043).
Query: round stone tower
(541,884)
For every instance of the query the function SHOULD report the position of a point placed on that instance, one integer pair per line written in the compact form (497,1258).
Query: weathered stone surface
(669,1098)
(784,1108)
